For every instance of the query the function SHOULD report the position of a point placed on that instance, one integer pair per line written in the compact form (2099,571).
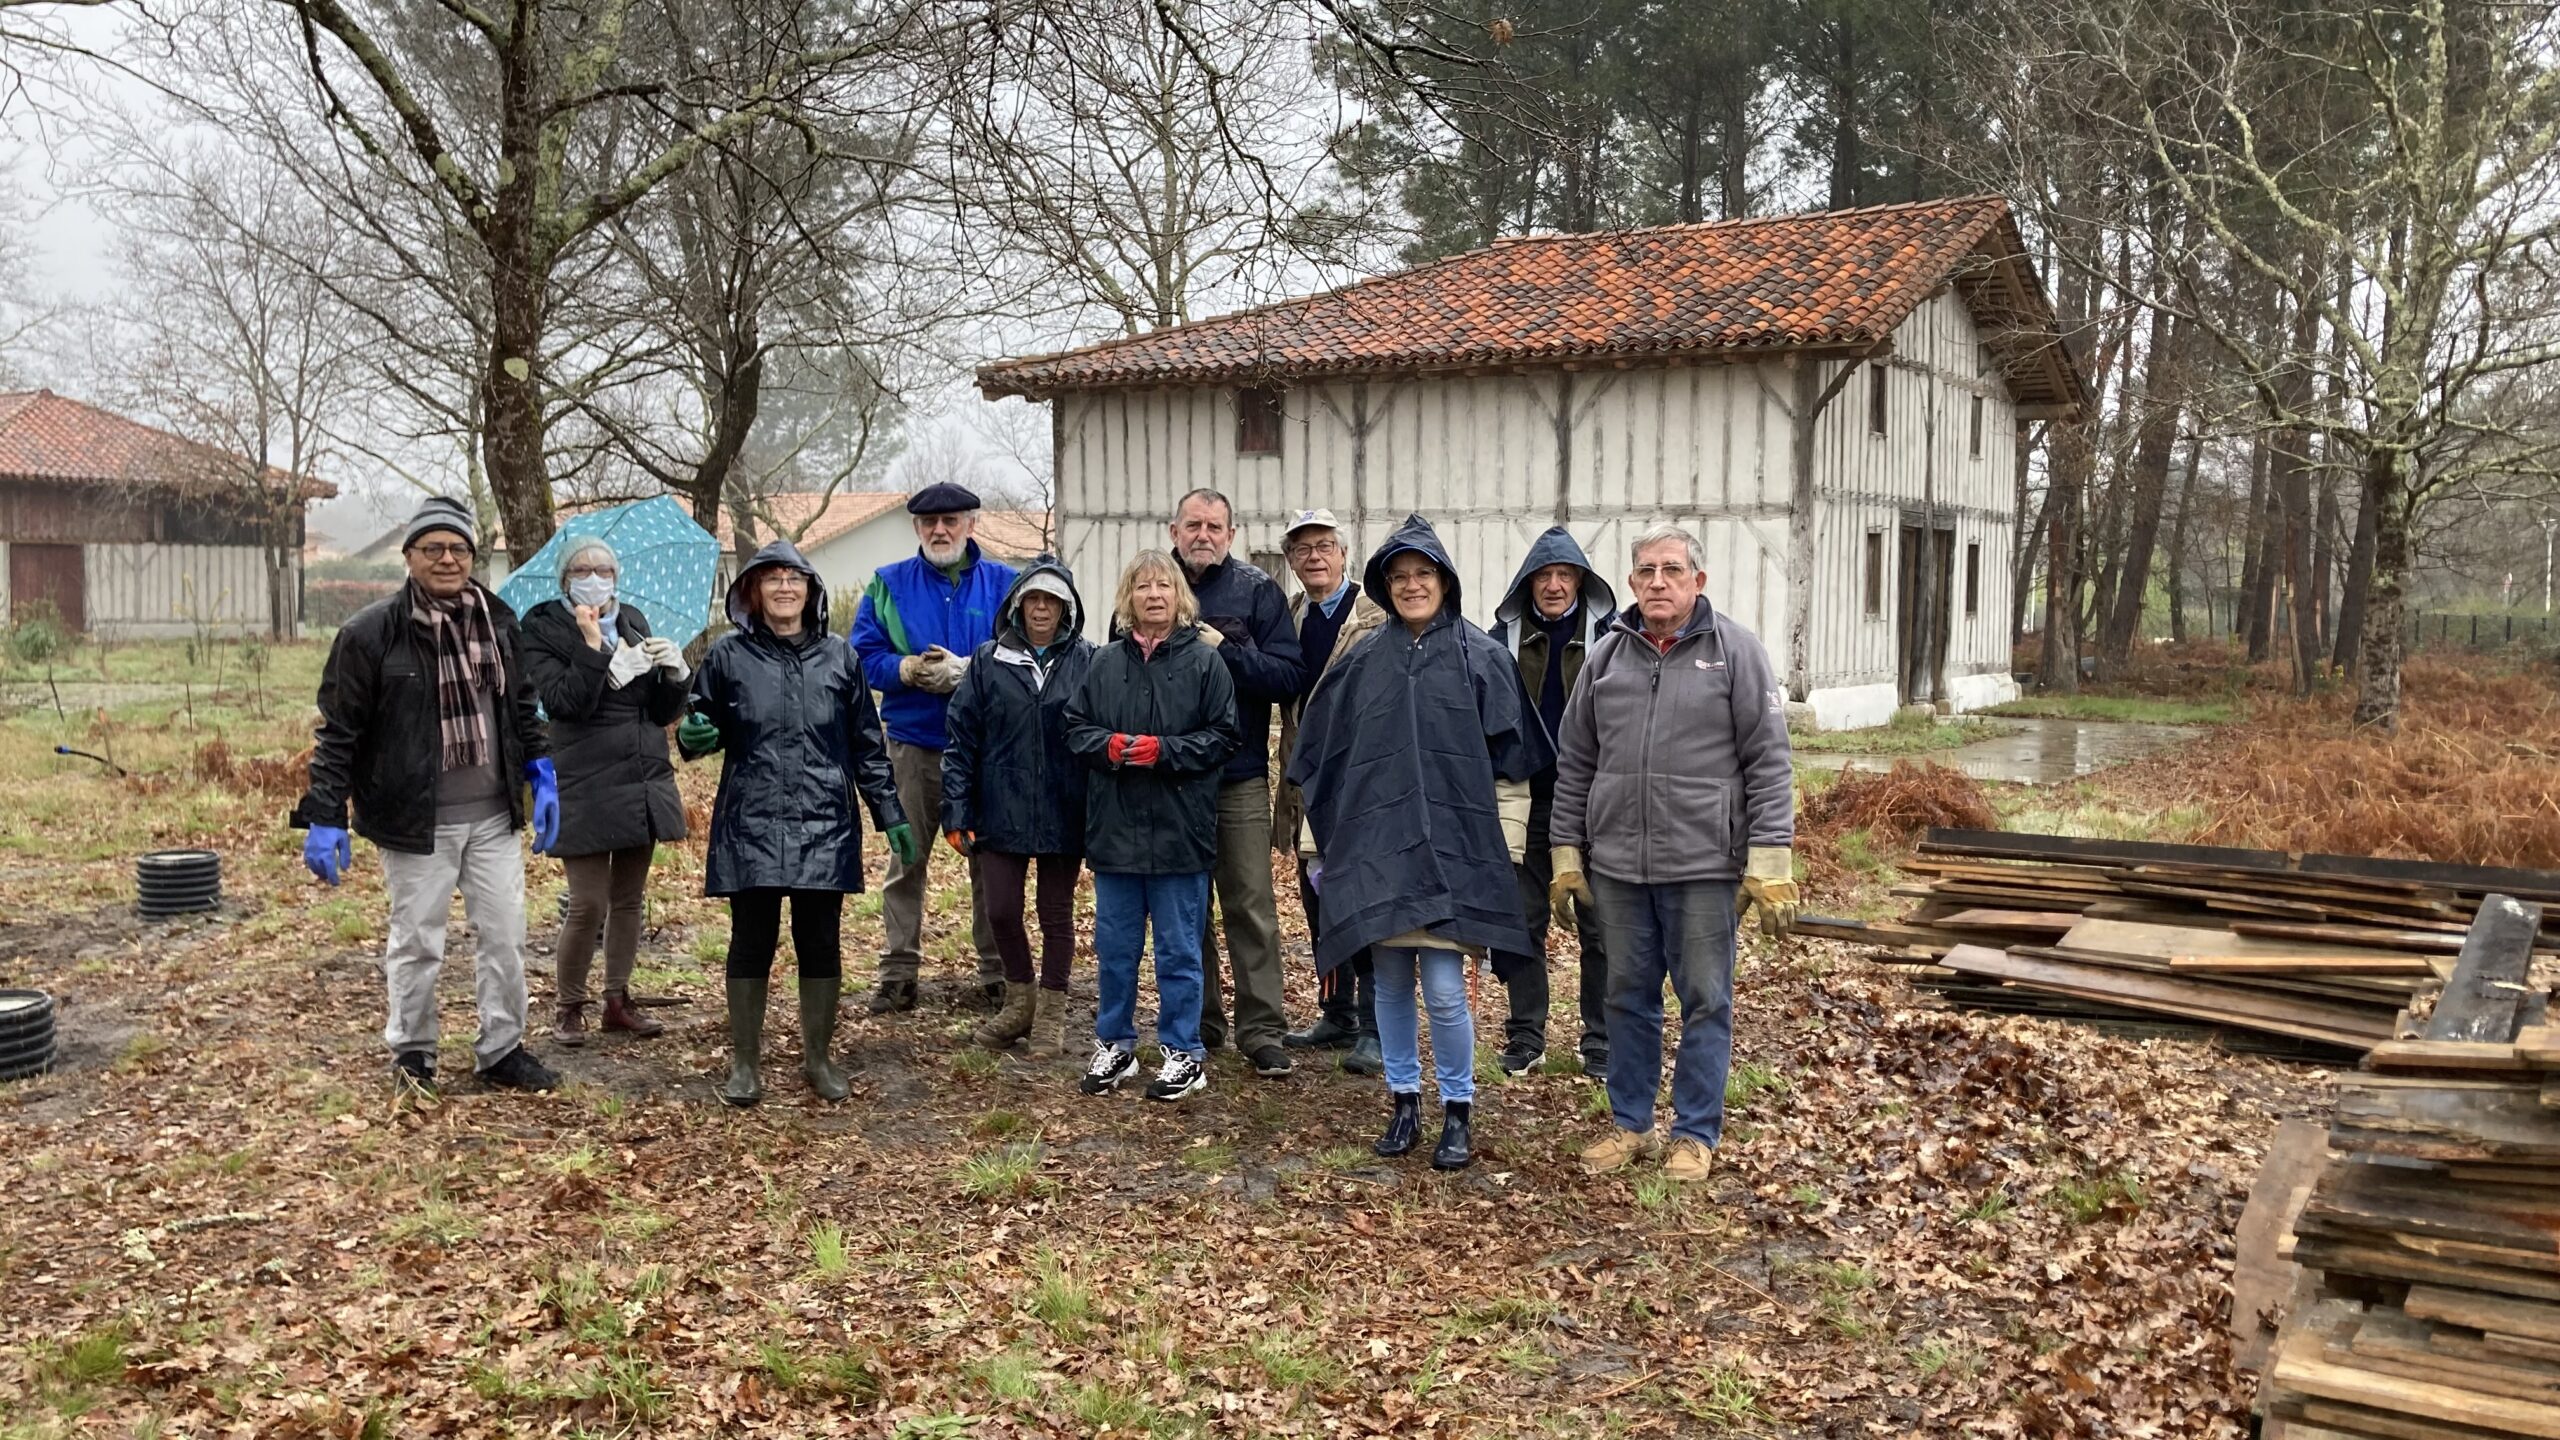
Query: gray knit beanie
(442,512)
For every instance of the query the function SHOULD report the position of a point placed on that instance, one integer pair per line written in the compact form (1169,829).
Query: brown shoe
(1010,1023)
(569,1026)
(1689,1161)
(623,1017)
(1617,1152)
(1049,1024)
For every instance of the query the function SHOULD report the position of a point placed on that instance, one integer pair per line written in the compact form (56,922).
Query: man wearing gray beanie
(426,725)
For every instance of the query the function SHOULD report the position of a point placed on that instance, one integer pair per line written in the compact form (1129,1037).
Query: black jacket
(1159,820)
(1516,628)
(1260,648)
(1006,771)
(617,788)
(800,734)
(1399,752)
(377,747)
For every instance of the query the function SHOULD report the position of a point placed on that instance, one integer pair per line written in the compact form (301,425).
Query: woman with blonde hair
(1154,721)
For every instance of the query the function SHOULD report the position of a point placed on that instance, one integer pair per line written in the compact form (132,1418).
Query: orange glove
(961,841)
(1144,750)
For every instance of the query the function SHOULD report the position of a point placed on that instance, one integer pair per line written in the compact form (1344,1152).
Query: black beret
(941,498)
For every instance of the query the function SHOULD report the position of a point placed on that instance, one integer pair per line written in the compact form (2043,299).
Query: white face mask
(595,590)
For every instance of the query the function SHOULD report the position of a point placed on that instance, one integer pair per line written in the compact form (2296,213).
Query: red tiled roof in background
(1011,534)
(1834,279)
(48,439)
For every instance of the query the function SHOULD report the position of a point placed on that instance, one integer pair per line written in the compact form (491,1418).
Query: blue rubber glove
(902,843)
(328,851)
(546,804)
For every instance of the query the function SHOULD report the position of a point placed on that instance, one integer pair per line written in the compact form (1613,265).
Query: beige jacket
(1287,810)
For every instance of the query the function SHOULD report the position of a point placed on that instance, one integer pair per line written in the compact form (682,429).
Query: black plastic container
(177,882)
(26,1033)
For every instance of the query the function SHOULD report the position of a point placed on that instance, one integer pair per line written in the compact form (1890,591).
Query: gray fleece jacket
(1672,765)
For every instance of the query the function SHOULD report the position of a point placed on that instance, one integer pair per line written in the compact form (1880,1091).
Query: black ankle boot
(1456,1149)
(1404,1126)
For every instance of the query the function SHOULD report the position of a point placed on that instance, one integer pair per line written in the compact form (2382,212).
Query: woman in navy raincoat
(787,701)
(1414,756)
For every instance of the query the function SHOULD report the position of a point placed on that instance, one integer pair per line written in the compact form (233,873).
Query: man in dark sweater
(1332,615)
(1556,607)
(1243,614)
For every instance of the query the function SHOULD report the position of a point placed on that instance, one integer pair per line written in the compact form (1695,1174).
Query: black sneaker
(1181,1074)
(415,1071)
(1595,1063)
(518,1070)
(1270,1062)
(1520,1056)
(893,995)
(1327,1033)
(1111,1064)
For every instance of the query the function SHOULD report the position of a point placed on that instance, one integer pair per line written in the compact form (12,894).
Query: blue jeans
(1453,1026)
(1122,906)
(1683,932)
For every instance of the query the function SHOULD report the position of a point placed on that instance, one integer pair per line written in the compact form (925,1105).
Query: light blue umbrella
(669,564)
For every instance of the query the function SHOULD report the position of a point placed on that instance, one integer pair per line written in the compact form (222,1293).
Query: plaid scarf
(467,663)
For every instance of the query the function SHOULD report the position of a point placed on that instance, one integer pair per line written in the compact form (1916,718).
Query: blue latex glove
(328,851)
(546,804)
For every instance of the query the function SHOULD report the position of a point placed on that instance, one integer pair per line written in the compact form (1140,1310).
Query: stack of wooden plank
(2434,1227)
(2316,953)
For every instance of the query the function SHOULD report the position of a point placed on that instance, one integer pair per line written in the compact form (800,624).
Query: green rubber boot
(818,1036)
(746,1040)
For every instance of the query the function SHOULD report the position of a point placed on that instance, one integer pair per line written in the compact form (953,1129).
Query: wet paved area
(2033,752)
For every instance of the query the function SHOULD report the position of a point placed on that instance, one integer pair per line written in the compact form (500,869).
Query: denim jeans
(1683,932)
(1453,1026)
(1122,906)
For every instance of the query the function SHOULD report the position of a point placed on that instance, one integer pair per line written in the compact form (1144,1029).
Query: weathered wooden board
(2261,1278)
(2482,999)
(2504,1314)
(2303,1367)
(2322,1020)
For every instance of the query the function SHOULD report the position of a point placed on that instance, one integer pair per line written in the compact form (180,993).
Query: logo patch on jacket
(1710,664)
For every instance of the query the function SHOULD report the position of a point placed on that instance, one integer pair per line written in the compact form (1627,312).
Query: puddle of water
(2034,752)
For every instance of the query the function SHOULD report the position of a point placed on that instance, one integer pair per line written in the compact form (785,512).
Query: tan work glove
(1566,885)
(1769,882)
(1211,636)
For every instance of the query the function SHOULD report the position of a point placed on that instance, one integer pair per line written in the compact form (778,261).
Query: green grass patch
(1012,1374)
(827,1257)
(1343,1158)
(2143,709)
(1912,732)
(1749,1081)
(1210,1159)
(2086,1201)
(1001,1174)
(1060,1299)
(1994,1205)
(996,1124)
(975,1064)
(1101,1405)
(1288,1359)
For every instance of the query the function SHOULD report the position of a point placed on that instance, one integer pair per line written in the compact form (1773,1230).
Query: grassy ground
(2149,709)
(1909,733)
(220,1220)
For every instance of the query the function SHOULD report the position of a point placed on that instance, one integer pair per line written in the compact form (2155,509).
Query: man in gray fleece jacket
(1674,782)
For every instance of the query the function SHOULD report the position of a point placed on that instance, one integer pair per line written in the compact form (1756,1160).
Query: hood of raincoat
(1047,575)
(1414,534)
(777,552)
(1555,547)
(1399,756)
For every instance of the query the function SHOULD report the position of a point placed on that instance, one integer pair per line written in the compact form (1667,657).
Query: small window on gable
(1875,573)
(1257,420)
(1973,568)
(1977,427)
(1875,398)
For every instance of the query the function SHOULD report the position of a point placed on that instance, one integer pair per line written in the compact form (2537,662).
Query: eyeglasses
(442,552)
(1668,574)
(1313,548)
(576,571)
(784,580)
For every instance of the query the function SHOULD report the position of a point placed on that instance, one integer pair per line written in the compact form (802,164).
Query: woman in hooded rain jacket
(788,703)
(1154,721)
(611,689)
(1013,794)
(1414,756)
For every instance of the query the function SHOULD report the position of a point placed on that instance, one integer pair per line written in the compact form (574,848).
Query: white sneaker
(1181,1074)
(1110,1065)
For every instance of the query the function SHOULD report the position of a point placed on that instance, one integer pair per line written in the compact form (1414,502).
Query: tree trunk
(2058,665)
(511,382)
(2324,554)
(2177,556)
(2378,652)
(2348,652)
(1847,158)
(2022,548)
(2150,479)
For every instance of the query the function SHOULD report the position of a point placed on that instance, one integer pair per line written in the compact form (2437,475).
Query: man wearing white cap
(1331,615)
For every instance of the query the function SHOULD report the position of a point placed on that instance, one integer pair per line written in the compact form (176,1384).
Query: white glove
(662,652)
(938,671)
(628,664)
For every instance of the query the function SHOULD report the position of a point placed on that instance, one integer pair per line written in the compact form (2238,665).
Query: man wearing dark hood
(1414,758)
(1556,608)
(1013,794)
(788,703)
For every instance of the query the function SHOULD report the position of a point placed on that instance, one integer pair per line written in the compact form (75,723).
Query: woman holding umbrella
(788,703)
(1414,756)
(611,688)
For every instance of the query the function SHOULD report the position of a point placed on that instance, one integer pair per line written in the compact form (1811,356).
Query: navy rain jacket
(1007,773)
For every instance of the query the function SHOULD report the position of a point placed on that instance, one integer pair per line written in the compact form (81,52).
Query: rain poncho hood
(1398,756)
(784,553)
(1556,546)
(1048,576)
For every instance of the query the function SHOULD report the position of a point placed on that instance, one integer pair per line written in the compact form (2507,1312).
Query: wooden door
(49,573)
(1924,586)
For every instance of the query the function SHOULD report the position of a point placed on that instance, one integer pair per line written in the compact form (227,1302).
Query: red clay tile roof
(48,439)
(1835,279)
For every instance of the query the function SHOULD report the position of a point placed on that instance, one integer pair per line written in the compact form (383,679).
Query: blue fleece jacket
(911,606)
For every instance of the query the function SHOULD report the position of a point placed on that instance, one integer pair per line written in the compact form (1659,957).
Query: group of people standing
(1440,788)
